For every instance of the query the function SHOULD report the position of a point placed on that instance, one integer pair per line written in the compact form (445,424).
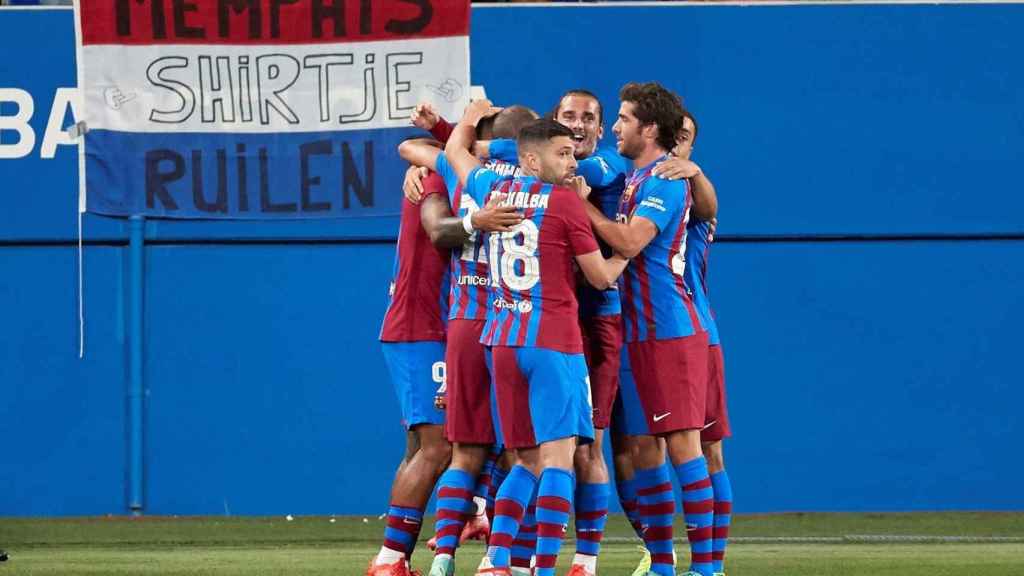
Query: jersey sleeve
(447,173)
(660,201)
(434,184)
(581,236)
(597,171)
(504,149)
(479,184)
(442,131)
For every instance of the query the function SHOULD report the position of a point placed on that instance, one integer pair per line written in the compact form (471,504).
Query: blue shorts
(417,371)
(542,395)
(628,418)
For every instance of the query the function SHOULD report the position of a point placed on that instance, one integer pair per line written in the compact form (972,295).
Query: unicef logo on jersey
(525,306)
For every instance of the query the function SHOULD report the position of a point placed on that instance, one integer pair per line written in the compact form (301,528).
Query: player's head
(650,115)
(687,137)
(581,112)
(511,120)
(546,150)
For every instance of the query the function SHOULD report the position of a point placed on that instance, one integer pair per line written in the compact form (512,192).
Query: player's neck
(650,154)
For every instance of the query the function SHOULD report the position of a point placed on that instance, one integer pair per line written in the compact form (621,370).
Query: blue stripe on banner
(251,176)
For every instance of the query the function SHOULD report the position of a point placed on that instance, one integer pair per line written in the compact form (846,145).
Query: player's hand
(424,116)
(676,169)
(580,186)
(413,185)
(496,218)
(712,226)
(478,110)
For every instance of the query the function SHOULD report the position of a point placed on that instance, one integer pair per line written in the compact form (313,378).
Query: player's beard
(630,145)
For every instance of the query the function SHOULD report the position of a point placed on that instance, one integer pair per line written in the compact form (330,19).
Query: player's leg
(602,344)
(413,367)
(682,374)
(715,430)
(469,427)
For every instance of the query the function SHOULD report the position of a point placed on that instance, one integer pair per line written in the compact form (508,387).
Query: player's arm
(599,272)
(426,117)
(458,150)
(420,152)
(705,200)
(447,231)
(627,239)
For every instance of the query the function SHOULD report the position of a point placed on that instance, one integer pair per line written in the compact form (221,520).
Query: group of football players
(547,288)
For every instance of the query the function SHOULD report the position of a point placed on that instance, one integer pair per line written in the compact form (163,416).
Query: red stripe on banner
(140,22)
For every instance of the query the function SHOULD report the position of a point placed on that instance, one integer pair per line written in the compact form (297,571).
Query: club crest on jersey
(628,192)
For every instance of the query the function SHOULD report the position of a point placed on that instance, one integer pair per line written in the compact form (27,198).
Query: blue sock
(591,516)
(554,502)
(509,507)
(627,498)
(698,508)
(402,529)
(723,518)
(454,504)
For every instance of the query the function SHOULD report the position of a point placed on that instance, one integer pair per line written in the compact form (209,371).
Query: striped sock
(525,544)
(591,516)
(483,482)
(554,502)
(657,506)
(698,508)
(510,504)
(498,476)
(723,517)
(627,497)
(402,529)
(454,505)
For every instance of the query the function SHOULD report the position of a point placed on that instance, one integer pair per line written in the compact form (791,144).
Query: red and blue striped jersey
(533,281)
(698,248)
(656,304)
(606,172)
(469,264)
(418,304)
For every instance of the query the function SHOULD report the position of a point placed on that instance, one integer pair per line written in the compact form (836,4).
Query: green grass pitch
(923,544)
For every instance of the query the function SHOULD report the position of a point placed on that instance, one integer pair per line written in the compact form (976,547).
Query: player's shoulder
(610,156)
(656,183)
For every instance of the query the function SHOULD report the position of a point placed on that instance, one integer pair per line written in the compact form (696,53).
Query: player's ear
(650,131)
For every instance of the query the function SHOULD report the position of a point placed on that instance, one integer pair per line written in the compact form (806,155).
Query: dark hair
(579,92)
(511,120)
(654,104)
(688,114)
(541,130)
(485,128)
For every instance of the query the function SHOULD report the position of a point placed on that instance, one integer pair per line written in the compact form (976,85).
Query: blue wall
(873,372)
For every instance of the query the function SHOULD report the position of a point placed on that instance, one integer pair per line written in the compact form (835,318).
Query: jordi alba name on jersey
(533,283)
(656,303)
